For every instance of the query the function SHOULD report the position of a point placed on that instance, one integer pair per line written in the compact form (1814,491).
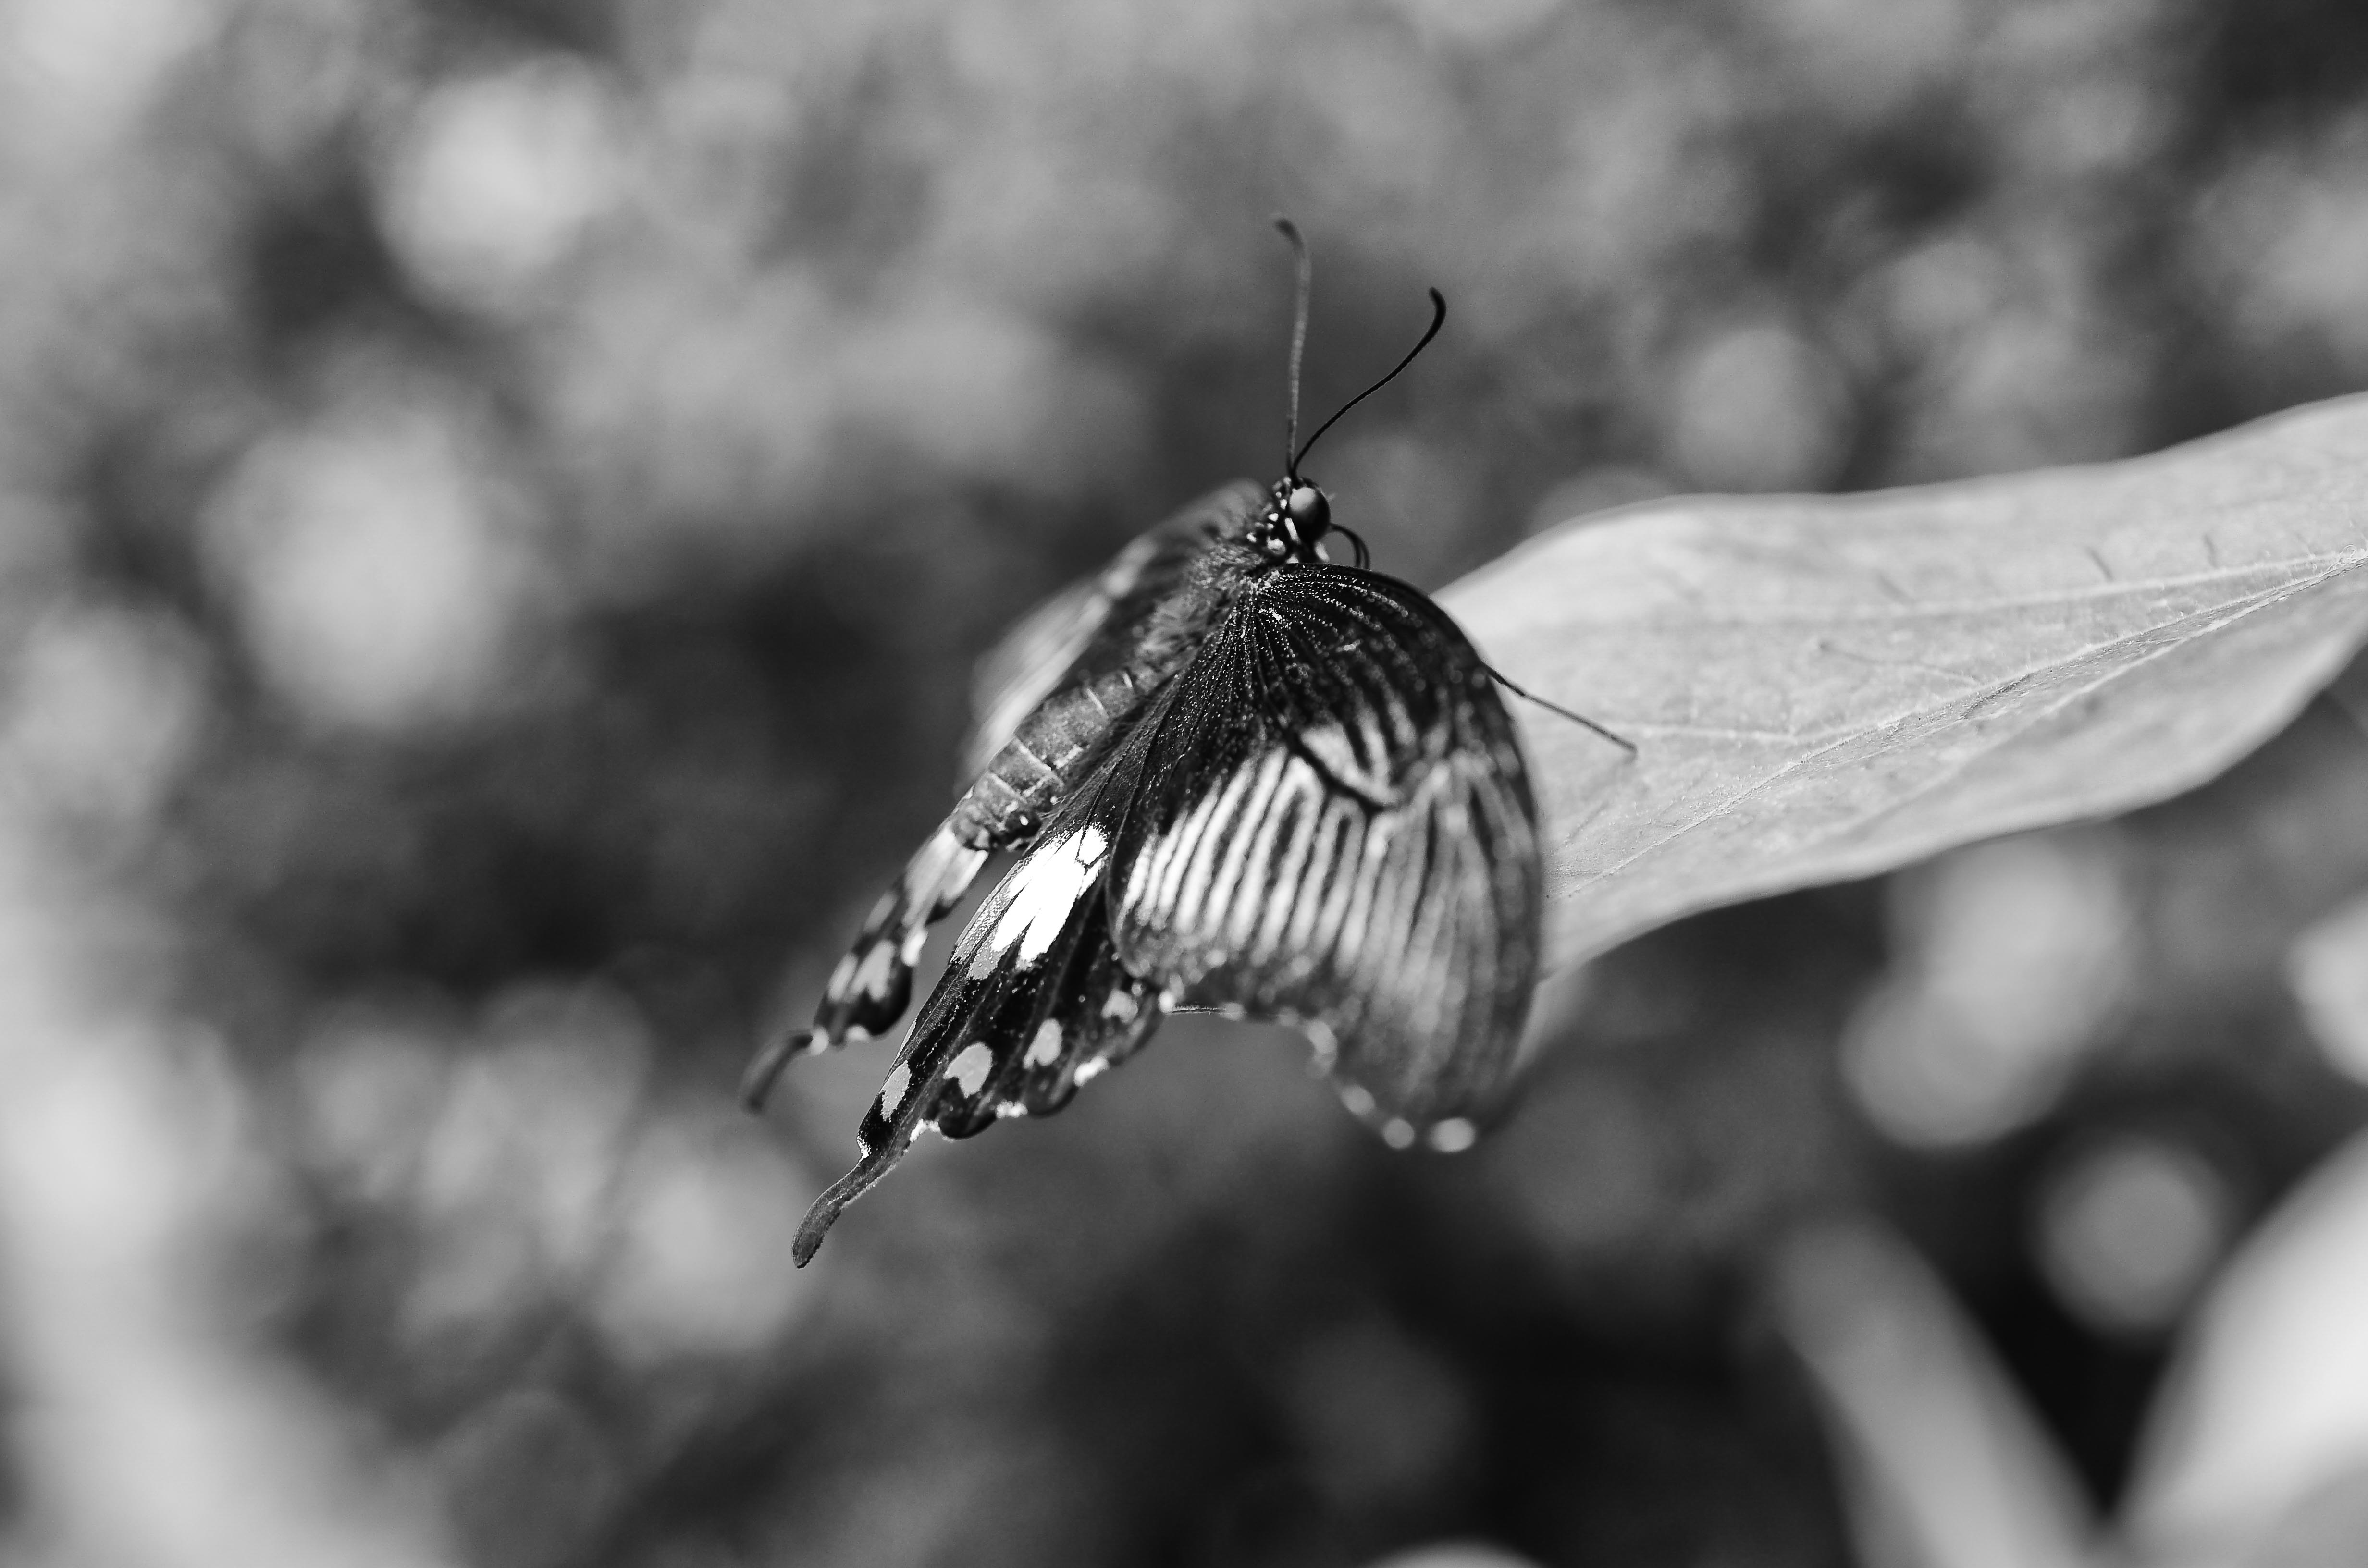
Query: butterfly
(1237,777)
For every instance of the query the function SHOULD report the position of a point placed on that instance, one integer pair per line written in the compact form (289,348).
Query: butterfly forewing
(1051,700)
(1333,826)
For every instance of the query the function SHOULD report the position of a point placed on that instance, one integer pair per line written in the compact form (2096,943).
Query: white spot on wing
(1453,1136)
(1045,1049)
(1042,890)
(970,1068)
(841,976)
(1120,1005)
(1327,1048)
(1090,1071)
(1330,745)
(1398,1133)
(871,979)
(1357,1099)
(892,1093)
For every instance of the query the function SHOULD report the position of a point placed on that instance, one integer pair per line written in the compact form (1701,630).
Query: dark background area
(497,507)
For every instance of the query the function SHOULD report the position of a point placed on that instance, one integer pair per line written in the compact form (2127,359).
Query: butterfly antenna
(1622,742)
(1364,556)
(1437,320)
(1306,268)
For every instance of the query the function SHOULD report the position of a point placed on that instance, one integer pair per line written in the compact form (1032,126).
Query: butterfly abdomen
(1063,741)
(1073,731)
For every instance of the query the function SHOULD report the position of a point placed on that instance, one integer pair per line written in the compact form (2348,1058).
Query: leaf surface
(1825,688)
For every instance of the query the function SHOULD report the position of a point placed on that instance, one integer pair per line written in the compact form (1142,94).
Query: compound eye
(1310,513)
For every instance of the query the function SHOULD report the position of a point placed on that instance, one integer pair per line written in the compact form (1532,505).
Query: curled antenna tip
(1437,320)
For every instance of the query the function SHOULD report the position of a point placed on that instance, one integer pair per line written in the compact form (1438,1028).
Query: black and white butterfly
(1237,776)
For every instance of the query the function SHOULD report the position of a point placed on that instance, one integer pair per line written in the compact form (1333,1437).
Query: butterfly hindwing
(1066,684)
(1334,827)
(868,990)
(1032,1004)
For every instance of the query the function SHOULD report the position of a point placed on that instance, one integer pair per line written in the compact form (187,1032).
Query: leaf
(2262,1421)
(1825,688)
(1943,1464)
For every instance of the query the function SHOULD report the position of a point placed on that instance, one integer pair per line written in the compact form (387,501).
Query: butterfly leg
(1622,742)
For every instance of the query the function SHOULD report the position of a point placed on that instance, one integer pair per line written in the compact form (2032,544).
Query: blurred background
(498,504)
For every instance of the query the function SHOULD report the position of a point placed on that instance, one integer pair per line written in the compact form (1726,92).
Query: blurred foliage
(497,505)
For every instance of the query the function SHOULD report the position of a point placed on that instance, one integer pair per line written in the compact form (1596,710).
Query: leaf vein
(1824,744)
(2336,562)
(2106,677)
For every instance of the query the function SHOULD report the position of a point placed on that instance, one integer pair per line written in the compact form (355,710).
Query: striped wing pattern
(1325,819)
(1339,834)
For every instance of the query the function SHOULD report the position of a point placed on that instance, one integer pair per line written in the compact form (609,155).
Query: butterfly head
(1295,517)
